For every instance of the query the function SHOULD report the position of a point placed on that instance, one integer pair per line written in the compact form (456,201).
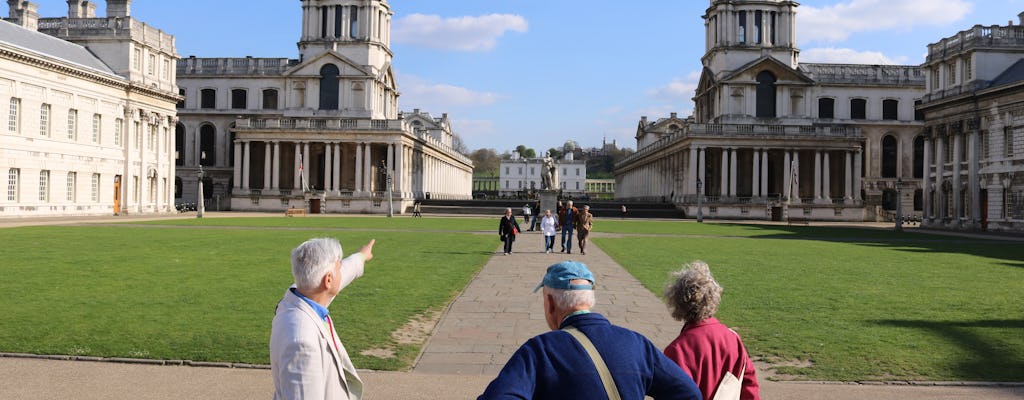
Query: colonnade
(947,194)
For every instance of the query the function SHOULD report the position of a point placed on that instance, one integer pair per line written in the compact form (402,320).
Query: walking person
(508,228)
(547,225)
(567,221)
(416,210)
(527,213)
(623,211)
(307,358)
(584,356)
(706,349)
(584,222)
(535,223)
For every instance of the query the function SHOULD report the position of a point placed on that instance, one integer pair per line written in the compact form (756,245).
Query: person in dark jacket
(554,365)
(508,228)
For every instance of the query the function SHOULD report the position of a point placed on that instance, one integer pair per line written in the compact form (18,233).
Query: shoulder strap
(602,369)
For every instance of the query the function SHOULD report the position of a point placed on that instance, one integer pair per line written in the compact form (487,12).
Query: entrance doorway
(117,195)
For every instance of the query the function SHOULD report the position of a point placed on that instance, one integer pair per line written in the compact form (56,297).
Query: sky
(542,72)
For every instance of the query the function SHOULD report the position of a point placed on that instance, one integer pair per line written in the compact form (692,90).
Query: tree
(526,152)
(458,145)
(554,153)
(485,161)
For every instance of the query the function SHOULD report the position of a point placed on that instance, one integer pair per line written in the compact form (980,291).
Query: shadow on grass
(987,362)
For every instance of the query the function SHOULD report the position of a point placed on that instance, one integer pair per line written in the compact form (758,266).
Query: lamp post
(899,204)
(200,204)
(700,197)
(387,184)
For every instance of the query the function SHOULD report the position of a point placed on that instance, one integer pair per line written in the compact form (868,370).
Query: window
(165,70)
(44,120)
(919,157)
(207,145)
(577,174)
(935,78)
(137,134)
(765,95)
(968,69)
(890,150)
(151,67)
(353,24)
(520,170)
(137,59)
(951,74)
(95,188)
(118,124)
(238,99)
(329,87)
(506,170)
(179,145)
(890,109)
(72,177)
(858,109)
(984,145)
(741,35)
(758,25)
(826,108)
(771,28)
(577,186)
(97,125)
(151,135)
(44,185)
(1008,141)
(270,99)
(208,98)
(177,188)
(918,113)
(338,20)
(72,124)
(12,184)
(152,189)
(136,189)
(14,118)
(181,101)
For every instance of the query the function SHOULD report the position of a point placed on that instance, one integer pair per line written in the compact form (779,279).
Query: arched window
(858,109)
(207,145)
(826,108)
(765,95)
(890,110)
(919,157)
(179,145)
(270,99)
(918,200)
(177,187)
(208,98)
(890,152)
(239,99)
(329,87)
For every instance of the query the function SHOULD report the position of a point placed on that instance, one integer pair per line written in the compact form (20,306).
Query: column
(826,178)
(359,167)
(238,165)
(787,175)
(305,165)
(297,168)
(336,179)
(857,167)
(972,177)
(764,172)
(275,182)
(796,175)
(328,167)
(958,210)
(691,184)
(400,169)
(367,166)
(724,192)
(701,170)
(755,178)
(391,164)
(267,156)
(817,175)
(851,177)
(733,162)
(246,164)
(940,169)
(927,189)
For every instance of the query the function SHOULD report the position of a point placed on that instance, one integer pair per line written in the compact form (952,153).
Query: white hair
(312,259)
(569,299)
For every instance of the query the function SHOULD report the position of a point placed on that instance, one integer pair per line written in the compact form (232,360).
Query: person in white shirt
(547,225)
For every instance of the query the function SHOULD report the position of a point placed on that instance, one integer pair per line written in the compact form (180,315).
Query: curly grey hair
(693,295)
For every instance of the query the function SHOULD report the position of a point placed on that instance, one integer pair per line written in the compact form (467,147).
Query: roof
(51,47)
(1013,74)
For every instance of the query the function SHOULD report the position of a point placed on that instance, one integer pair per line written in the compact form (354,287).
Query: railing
(878,74)
(234,66)
(114,26)
(978,36)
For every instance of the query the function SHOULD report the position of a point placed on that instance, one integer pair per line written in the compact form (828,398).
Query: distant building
(89,106)
(520,175)
(973,149)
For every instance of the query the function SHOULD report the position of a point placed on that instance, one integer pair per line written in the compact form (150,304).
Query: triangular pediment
(706,82)
(387,77)
(782,71)
(346,66)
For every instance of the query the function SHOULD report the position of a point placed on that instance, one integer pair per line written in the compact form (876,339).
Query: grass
(345,222)
(210,294)
(852,304)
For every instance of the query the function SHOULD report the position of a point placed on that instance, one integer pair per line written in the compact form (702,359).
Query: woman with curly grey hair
(705,348)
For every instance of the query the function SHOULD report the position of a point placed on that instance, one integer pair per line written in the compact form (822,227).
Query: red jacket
(706,350)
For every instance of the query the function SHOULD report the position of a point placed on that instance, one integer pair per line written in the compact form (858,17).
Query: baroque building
(89,104)
(521,175)
(974,130)
(322,132)
(772,136)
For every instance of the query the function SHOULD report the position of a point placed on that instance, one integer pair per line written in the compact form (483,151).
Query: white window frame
(44,185)
(14,118)
(72,124)
(97,127)
(137,59)
(118,131)
(44,120)
(95,194)
(71,186)
(13,176)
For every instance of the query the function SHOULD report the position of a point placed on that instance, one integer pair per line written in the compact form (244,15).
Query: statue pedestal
(548,201)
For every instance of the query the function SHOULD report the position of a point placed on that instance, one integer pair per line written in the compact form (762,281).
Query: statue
(549,176)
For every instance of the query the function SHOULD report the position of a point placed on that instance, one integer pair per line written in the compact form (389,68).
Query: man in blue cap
(558,365)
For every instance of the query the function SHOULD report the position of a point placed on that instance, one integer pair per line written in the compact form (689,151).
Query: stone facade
(771,136)
(974,141)
(524,174)
(321,132)
(89,103)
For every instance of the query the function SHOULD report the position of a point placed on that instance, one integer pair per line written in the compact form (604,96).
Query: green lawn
(210,294)
(856,304)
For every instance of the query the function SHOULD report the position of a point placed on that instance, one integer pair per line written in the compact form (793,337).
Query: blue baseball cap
(561,275)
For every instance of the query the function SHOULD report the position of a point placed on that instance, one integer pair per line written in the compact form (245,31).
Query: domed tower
(360,30)
(739,32)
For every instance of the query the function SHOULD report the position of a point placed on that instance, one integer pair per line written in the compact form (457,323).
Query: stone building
(89,107)
(520,175)
(974,130)
(319,131)
(771,136)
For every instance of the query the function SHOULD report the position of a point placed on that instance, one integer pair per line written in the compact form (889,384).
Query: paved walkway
(495,313)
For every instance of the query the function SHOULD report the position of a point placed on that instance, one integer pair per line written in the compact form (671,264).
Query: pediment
(346,67)
(782,72)
(706,82)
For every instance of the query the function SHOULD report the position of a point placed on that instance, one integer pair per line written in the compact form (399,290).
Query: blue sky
(541,72)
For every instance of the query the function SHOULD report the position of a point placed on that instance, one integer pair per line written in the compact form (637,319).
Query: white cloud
(456,34)
(438,97)
(831,55)
(836,23)
(678,89)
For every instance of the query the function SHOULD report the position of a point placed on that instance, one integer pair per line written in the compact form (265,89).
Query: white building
(771,134)
(318,131)
(89,106)
(520,175)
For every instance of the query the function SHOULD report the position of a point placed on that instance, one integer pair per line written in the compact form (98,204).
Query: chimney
(88,9)
(74,8)
(28,15)
(13,6)
(673,115)
(119,8)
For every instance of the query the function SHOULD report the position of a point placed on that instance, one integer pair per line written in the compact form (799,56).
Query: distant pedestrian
(535,223)
(508,229)
(584,222)
(567,220)
(416,210)
(547,225)
(527,213)
(623,211)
